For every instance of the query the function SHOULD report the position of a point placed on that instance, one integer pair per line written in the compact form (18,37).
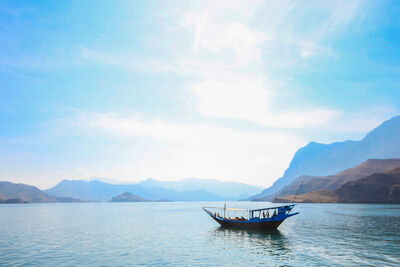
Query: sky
(225,90)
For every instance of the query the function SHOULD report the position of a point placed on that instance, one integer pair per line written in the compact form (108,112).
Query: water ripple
(171,234)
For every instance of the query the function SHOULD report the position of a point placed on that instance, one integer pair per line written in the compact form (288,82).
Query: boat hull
(265,225)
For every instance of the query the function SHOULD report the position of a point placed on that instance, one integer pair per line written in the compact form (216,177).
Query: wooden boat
(258,219)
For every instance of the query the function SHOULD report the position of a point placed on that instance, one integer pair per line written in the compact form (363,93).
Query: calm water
(182,234)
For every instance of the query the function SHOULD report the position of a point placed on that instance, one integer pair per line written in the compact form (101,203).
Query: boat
(257,219)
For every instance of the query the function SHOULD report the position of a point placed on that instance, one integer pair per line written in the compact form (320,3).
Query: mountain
(227,190)
(7,200)
(100,191)
(107,180)
(317,159)
(333,182)
(128,197)
(375,188)
(22,193)
(318,196)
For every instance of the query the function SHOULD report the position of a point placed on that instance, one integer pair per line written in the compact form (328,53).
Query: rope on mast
(297,191)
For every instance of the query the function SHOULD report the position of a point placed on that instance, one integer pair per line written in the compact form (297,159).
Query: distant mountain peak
(106,180)
(316,159)
(313,143)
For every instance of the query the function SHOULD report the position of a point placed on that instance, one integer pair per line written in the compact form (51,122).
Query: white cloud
(201,150)
(185,134)
(229,83)
(248,97)
(236,48)
(236,88)
(215,30)
(244,97)
(228,92)
(219,37)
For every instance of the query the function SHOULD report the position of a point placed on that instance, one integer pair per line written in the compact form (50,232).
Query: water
(180,233)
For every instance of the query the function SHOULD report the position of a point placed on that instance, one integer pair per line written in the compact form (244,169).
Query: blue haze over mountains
(185,190)
(228,190)
(318,159)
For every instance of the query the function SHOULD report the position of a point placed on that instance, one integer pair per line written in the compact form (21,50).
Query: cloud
(233,86)
(182,150)
(226,91)
(233,59)
(185,134)
(248,97)
(238,47)
(213,34)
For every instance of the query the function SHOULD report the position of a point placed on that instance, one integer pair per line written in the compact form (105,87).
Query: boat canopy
(226,208)
(286,207)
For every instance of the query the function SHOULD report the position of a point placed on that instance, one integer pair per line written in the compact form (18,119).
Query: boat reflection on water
(273,242)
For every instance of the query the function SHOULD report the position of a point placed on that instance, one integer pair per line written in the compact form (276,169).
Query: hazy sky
(174,89)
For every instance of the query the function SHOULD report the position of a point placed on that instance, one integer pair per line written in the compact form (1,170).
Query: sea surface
(182,234)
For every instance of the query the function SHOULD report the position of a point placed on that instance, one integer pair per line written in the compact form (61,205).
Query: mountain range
(316,159)
(185,190)
(100,191)
(190,189)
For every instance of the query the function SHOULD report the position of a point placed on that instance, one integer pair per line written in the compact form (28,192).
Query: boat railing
(228,213)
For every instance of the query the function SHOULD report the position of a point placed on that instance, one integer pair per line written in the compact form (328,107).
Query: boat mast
(297,191)
(224,209)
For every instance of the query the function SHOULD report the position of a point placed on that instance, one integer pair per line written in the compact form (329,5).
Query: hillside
(319,196)
(317,159)
(375,188)
(7,200)
(22,193)
(100,191)
(128,197)
(333,182)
